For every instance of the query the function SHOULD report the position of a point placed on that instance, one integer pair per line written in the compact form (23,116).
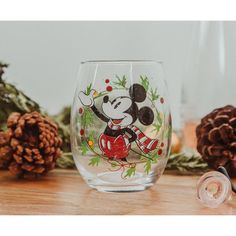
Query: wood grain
(64,192)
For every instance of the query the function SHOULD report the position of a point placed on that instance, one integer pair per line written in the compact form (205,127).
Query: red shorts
(114,147)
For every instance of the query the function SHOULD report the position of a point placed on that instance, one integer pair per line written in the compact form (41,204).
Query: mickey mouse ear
(146,115)
(137,93)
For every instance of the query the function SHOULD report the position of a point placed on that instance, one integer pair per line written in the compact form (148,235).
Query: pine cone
(5,149)
(34,143)
(216,138)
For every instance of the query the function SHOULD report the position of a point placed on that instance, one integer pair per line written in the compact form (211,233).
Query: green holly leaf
(94,161)
(154,95)
(130,172)
(147,166)
(144,82)
(120,82)
(88,89)
(84,147)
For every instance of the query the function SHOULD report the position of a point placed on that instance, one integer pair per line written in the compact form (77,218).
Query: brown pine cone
(5,149)
(35,144)
(216,138)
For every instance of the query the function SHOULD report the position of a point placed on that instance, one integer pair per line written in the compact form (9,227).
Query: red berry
(81,110)
(109,88)
(162,144)
(162,100)
(159,152)
(81,132)
(107,81)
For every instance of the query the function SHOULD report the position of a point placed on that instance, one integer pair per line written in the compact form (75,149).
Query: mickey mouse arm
(99,114)
(132,133)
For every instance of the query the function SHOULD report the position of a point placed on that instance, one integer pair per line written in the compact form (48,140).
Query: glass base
(120,189)
(112,182)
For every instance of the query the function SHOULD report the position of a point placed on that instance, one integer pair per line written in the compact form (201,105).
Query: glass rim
(120,61)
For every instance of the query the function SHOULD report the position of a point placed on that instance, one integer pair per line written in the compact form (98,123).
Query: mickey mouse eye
(117,105)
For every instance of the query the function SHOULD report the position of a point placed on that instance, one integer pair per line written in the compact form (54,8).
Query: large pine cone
(5,150)
(216,138)
(34,143)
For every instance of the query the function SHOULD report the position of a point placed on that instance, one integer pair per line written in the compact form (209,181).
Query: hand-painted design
(120,114)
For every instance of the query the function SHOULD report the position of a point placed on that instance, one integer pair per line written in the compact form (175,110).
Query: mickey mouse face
(124,111)
(116,110)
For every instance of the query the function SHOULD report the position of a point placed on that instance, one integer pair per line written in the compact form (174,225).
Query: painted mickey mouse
(120,114)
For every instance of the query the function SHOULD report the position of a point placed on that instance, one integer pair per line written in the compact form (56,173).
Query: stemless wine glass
(120,124)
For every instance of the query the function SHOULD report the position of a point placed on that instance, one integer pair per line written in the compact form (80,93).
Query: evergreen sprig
(130,172)
(158,123)
(147,167)
(184,163)
(66,161)
(88,89)
(87,118)
(150,159)
(120,82)
(154,95)
(94,161)
(13,100)
(144,82)
(84,147)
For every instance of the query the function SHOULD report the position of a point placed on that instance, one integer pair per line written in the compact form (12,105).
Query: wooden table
(64,192)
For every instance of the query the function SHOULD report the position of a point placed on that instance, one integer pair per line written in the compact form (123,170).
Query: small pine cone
(35,144)
(5,150)
(216,138)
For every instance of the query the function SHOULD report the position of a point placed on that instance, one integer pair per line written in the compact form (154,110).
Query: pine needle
(183,163)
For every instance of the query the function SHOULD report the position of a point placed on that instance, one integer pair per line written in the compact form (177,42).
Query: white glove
(87,100)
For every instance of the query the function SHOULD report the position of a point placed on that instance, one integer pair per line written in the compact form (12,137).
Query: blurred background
(198,58)
(44,57)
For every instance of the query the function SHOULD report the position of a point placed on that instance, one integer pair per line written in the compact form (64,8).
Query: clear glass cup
(120,124)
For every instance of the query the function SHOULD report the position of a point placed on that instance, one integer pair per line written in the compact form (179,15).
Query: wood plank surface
(63,192)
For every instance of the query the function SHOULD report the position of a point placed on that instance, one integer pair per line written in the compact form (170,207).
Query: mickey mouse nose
(105,99)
